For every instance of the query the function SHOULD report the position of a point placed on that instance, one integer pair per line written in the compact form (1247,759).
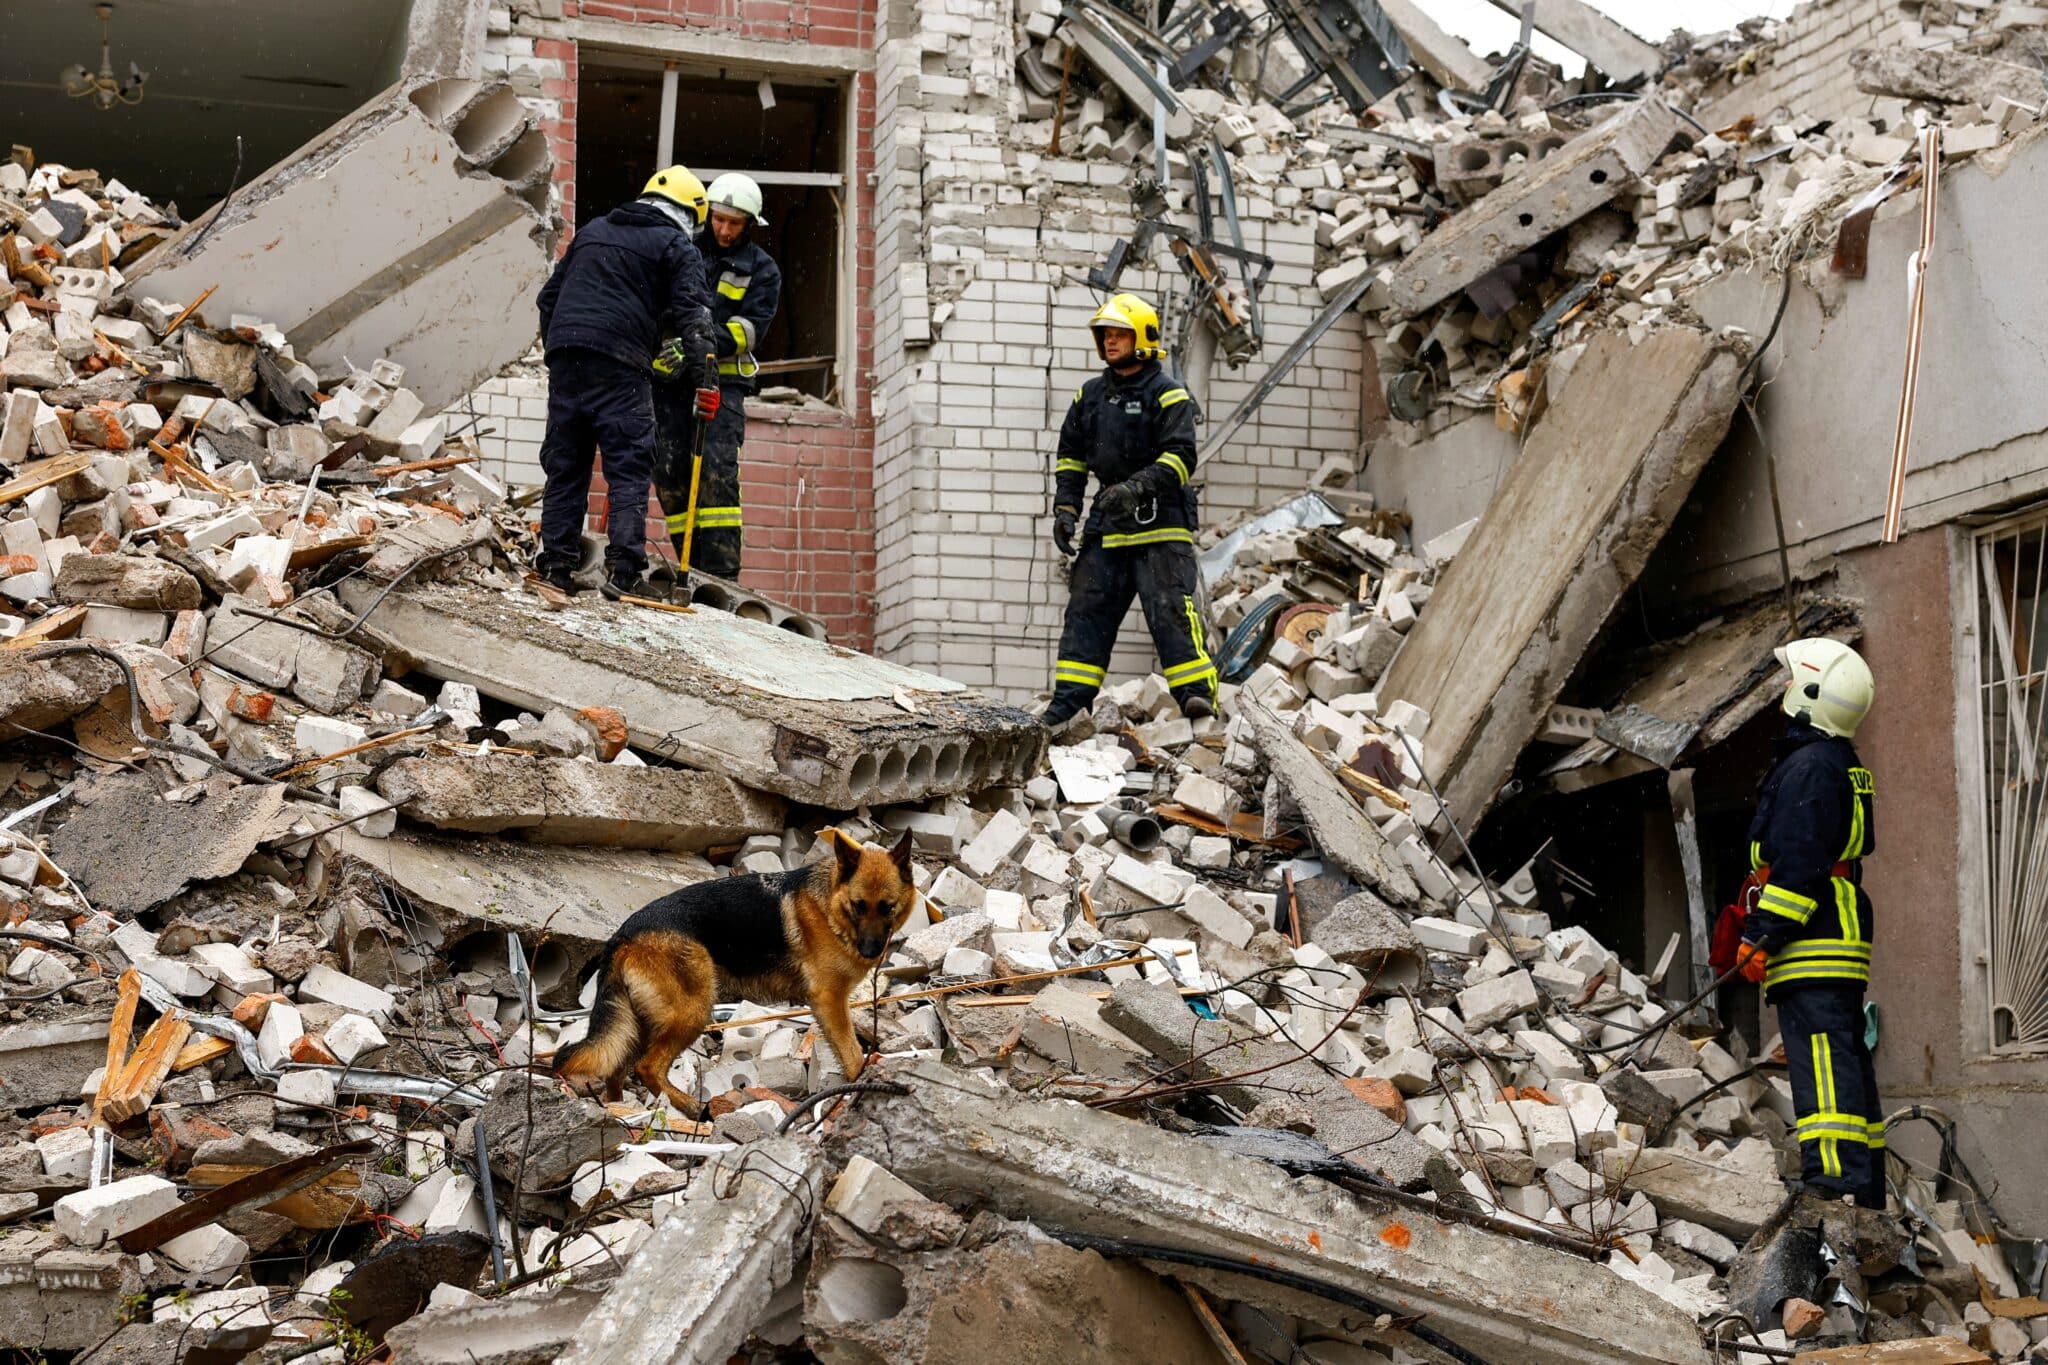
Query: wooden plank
(331,1202)
(60,624)
(41,474)
(146,1070)
(1592,493)
(128,994)
(200,1051)
(1918,1351)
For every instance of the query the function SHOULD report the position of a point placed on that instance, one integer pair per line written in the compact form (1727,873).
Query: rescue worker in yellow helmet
(1132,428)
(627,280)
(746,289)
(1808,940)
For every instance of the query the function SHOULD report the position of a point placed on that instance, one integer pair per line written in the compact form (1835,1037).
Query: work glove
(1064,523)
(1120,503)
(708,401)
(1752,961)
(673,360)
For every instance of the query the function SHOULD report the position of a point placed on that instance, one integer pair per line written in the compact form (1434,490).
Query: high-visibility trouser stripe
(1166,536)
(1075,671)
(1175,463)
(718,518)
(1819,960)
(1200,668)
(1189,672)
(1824,1091)
(1789,904)
(1873,1133)
(1846,913)
(1071,467)
(1172,396)
(1839,1127)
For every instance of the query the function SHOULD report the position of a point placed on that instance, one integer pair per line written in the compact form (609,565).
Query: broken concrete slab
(132,850)
(1592,493)
(1073,1169)
(1017,1297)
(1733,1202)
(42,1064)
(1945,75)
(133,581)
(59,1298)
(1363,931)
(511,1331)
(1339,828)
(569,801)
(1570,183)
(1624,56)
(769,708)
(36,694)
(441,279)
(562,902)
(537,1135)
(699,1284)
(1444,55)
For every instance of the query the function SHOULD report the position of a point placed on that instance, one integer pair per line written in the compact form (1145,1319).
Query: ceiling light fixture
(106,91)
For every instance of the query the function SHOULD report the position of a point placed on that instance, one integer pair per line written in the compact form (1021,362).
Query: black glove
(1064,524)
(1119,502)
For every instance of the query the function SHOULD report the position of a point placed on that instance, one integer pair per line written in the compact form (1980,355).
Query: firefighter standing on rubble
(1808,939)
(627,279)
(1133,428)
(746,289)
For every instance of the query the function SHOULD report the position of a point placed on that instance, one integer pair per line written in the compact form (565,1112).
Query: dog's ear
(901,853)
(848,849)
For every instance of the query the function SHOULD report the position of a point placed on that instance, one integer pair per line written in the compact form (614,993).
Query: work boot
(558,574)
(621,581)
(1198,708)
(1057,716)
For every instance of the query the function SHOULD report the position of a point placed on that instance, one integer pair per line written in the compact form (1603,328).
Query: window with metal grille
(2011,696)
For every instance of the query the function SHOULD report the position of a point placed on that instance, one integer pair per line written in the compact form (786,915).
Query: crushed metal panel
(1589,498)
(408,230)
(1693,693)
(770,708)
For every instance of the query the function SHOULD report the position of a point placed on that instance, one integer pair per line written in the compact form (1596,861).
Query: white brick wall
(511,417)
(1807,70)
(982,337)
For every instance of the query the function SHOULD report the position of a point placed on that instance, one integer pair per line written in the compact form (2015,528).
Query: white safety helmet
(738,193)
(1831,687)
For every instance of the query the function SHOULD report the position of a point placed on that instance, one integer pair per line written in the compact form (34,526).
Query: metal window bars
(2011,709)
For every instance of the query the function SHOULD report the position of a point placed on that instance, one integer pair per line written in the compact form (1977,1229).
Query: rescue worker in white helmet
(746,290)
(1132,427)
(1808,940)
(627,279)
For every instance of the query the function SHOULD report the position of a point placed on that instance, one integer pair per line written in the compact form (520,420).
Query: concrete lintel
(691,1294)
(384,236)
(570,801)
(1444,55)
(1591,495)
(770,708)
(1625,57)
(711,48)
(1570,183)
(1342,832)
(1073,1169)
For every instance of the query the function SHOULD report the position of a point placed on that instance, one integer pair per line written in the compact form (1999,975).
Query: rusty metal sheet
(259,1189)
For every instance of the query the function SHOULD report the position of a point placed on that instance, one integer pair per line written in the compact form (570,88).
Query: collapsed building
(1360,1023)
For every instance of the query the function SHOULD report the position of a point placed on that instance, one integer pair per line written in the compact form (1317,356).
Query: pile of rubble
(1485,219)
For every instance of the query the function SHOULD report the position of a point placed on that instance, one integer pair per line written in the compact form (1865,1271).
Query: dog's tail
(613,1038)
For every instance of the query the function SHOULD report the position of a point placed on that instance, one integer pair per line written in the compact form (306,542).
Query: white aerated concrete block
(90,1217)
(998,840)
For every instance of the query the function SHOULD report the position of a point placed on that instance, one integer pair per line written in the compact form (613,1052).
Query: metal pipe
(1133,829)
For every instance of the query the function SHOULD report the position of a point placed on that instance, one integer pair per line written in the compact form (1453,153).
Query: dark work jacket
(628,279)
(1138,428)
(1815,818)
(746,289)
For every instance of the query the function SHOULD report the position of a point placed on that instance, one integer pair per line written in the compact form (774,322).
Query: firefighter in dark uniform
(627,279)
(746,289)
(1133,428)
(1808,939)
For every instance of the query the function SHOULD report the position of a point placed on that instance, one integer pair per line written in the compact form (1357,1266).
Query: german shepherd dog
(807,935)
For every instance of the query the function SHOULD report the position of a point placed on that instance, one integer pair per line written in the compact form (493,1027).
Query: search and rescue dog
(807,935)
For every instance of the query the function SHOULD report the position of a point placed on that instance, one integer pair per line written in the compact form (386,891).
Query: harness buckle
(1147,514)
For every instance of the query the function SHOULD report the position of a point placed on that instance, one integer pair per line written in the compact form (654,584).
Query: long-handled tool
(698,425)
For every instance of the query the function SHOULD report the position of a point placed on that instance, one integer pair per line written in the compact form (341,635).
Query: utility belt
(1147,525)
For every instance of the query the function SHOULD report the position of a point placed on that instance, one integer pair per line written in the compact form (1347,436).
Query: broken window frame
(678,64)
(2002,656)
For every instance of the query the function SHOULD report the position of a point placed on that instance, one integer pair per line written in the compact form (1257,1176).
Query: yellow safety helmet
(677,184)
(1831,687)
(1133,314)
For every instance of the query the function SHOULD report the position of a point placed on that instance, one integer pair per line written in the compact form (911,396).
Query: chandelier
(104,88)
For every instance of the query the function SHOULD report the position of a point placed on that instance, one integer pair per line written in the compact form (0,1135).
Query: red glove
(708,401)
(1752,961)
